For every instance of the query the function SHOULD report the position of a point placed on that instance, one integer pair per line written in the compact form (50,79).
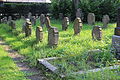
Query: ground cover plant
(8,69)
(73,49)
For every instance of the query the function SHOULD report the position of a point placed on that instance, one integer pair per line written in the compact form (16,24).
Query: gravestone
(105,21)
(116,37)
(53,36)
(47,22)
(28,29)
(91,19)
(9,18)
(79,14)
(36,15)
(65,23)
(33,20)
(39,34)
(5,20)
(29,15)
(61,16)
(12,24)
(97,33)
(24,25)
(77,26)
(42,20)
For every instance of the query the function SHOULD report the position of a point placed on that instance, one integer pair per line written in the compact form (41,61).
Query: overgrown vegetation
(99,7)
(73,49)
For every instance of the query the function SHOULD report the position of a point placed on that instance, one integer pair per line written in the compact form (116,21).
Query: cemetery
(71,41)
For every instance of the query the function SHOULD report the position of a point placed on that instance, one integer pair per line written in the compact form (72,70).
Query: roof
(31,1)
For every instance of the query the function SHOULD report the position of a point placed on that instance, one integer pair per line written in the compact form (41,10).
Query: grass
(8,69)
(71,48)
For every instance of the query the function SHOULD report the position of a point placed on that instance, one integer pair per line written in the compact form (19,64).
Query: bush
(99,7)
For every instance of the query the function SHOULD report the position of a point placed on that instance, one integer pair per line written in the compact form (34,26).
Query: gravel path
(23,66)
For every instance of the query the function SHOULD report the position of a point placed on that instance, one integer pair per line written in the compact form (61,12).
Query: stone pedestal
(116,44)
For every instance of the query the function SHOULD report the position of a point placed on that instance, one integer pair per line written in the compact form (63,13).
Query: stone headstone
(117,29)
(105,21)
(77,26)
(39,34)
(47,22)
(42,20)
(12,24)
(79,13)
(24,25)
(97,33)
(91,19)
(29,15)
(61,16)
(5,20)
(33,20)
(9,18)
(65,23)
(53,36)
(28,29)
(116,37)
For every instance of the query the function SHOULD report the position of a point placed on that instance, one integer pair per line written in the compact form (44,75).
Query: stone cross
(105,21)
(91,19)
(65,23)
(117,29)
(39,34)
(47,22)
(12,24)
(77,26)
(79,13)
(97,33)
(53,36)
(28,29)
(42,20)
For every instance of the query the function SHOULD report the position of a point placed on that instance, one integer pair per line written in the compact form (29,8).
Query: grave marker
(77,26)
(53,36)
(39,34)
(28,29)
(42,20)
(105,21)
(65,23)
(91,18)
(97,33)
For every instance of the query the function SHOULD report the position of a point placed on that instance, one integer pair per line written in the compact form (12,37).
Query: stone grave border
(44,62)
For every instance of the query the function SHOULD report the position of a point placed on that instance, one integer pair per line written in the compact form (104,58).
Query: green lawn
(73,49)
(8,69)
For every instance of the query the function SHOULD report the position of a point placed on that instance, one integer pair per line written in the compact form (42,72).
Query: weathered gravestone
(42,20)
(12,24)
(77,26)
(116,37)
(61,16)
(97,33)
(47,22)
(29,15)
(9,18)
(53,36)
(105,21)
(39,34)
(91,18)
(33,20)
(5,20)
(65,23)
(28,29)
(24,25)
(79,14)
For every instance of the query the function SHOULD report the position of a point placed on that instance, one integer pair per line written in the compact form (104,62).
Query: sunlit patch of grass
(70,46)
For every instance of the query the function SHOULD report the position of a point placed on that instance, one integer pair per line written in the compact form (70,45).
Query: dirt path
(23,66)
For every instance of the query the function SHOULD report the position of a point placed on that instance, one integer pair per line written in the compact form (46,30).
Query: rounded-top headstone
(77,26)
(91,18)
